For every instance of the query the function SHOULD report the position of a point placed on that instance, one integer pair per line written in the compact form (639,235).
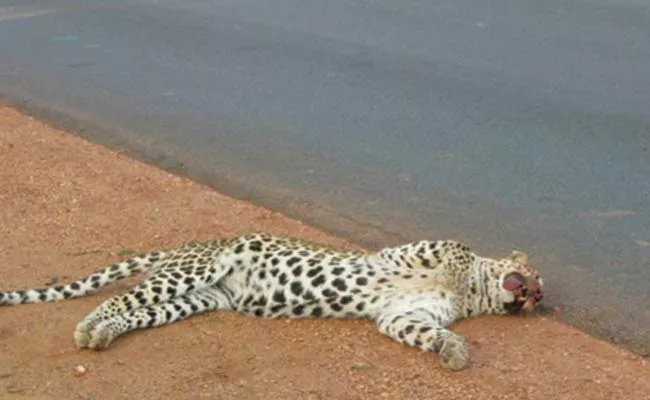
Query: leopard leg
(163,286)
(422,329)
(167,312)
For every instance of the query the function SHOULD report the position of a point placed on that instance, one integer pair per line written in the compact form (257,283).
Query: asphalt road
(504,123)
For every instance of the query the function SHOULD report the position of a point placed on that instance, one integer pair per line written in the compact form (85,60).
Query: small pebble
(52,281)
(79,370)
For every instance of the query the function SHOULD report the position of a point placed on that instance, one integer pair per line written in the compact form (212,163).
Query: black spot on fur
(329,292)
(314,271)
(262,274)
(177,275)
(283,279)
(297,271)
(336,307)
(261,301)
(309,296)
(382,280)
(425,329)
(188,280)
(255,245)
(409,329)
(362,281)
(298,310)
(346,300)
(360,306)
(317,312)
(296,288)
(292,261)
(340,284)
(319,280)
(279,297)
(338,271)
(259,312)
(277,308)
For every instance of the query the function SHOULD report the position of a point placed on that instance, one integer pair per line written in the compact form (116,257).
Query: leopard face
(520,284)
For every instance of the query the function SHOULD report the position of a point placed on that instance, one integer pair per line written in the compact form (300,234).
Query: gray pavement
(504,123)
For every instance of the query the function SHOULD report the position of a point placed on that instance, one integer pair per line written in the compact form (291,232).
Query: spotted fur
(413,292)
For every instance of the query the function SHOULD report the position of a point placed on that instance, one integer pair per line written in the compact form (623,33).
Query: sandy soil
(69,207)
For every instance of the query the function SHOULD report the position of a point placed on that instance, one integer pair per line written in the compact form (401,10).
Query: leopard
(413,292)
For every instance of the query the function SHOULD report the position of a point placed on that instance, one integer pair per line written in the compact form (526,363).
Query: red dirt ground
(68,207)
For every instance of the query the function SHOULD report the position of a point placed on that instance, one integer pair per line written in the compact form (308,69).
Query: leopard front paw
(82,332)
(454,353)
(103,334)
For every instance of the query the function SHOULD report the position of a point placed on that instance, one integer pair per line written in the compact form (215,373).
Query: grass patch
(125,252)
(362,367)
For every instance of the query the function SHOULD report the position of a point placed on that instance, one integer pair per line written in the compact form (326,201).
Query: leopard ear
(519,256)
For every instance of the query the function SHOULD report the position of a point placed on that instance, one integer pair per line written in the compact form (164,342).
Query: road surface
(504,123)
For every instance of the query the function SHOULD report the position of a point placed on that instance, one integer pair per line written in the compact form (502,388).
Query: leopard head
(520,286)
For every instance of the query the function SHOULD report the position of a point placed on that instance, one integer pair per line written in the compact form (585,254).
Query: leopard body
(413,292)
